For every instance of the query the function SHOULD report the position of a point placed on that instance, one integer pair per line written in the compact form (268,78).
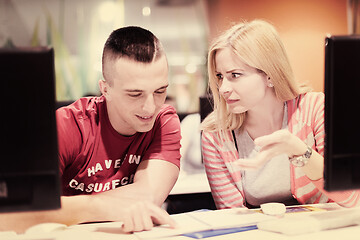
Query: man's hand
(143,215)
(137,205)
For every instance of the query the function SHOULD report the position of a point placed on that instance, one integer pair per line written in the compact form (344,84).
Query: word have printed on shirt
(108,163)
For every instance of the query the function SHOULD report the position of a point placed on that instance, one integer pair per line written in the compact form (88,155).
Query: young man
(119,153)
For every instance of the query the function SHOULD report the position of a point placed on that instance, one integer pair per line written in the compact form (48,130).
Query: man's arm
(137,204)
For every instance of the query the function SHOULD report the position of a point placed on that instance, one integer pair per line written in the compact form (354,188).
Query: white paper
(205,220)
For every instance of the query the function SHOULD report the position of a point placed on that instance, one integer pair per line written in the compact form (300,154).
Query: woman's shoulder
(313,95)
(306,100)
(306,106)
(313,100)
(217,136)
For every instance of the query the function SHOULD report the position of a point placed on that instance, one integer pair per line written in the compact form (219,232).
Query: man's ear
(104,88)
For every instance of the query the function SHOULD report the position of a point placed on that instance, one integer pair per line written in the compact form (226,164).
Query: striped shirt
(306,121)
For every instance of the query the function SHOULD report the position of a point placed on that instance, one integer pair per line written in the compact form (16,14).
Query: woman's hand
(277,143)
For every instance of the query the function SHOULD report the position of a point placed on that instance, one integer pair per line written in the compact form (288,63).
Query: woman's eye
(235,75)
(219,76)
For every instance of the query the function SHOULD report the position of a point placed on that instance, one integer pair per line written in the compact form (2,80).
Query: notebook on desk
(312,221)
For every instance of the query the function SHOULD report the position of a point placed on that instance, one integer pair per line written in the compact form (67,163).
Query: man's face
(136,95)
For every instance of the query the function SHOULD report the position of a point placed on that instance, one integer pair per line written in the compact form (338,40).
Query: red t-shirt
(95,158)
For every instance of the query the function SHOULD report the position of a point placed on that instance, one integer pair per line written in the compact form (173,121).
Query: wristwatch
(300,161)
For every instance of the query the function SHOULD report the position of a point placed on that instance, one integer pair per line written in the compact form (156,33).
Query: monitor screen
(206,106)
(342,123)
(29,177)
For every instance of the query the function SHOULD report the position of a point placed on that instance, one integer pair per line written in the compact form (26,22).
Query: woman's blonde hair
(258,45)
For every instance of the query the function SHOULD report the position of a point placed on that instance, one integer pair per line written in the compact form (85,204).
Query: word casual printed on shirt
(101,187)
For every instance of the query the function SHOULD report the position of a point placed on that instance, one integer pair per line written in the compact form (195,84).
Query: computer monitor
(342,105)
(206,106)
(29,170)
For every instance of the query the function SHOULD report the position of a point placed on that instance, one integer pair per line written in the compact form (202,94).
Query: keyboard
(294,224)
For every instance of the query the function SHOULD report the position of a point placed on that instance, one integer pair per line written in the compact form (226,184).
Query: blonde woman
(264,141)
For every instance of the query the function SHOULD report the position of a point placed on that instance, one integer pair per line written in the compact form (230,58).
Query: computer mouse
(45,228)
(274,209)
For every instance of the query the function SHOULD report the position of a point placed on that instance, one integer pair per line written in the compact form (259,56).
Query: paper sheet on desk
(205,220)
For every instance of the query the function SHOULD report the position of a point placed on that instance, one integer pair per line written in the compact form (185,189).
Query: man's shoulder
(82,108)
(167,111)
(167,119)
(83,114)
(166,108)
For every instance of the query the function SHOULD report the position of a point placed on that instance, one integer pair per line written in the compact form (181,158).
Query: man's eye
(135,95)
(160,92)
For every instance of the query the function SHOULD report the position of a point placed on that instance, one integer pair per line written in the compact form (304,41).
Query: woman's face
(243,87)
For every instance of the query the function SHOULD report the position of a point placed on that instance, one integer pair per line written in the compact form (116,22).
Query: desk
(349,233)
(191,183)
(110,231)
(191,192)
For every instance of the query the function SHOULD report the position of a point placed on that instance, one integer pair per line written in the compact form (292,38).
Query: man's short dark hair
(134,42)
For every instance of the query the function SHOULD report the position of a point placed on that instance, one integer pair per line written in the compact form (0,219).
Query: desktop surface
(112,230)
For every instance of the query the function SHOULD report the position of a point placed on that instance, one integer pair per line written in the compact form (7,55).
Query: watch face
(298,161)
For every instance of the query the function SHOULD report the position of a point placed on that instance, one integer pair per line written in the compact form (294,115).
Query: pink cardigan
(305,120)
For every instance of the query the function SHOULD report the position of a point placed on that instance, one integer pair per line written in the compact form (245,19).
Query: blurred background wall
(78,29)
(302,24)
